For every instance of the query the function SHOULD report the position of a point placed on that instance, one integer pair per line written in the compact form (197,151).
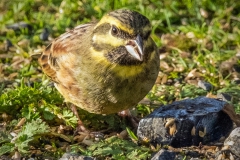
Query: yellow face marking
(108,39)
(128,71)
(113,21)
(119,70)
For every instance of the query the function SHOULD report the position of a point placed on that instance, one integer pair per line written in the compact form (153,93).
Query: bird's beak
(135,47)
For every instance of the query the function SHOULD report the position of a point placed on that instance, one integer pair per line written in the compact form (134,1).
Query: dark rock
(44,35)
(205,85)
(233,141)
(19,26)
(187,122)
(179,157)
(236,81)
(236,68)
(164,155)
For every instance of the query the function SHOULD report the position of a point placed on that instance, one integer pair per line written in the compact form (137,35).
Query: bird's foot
(133,120)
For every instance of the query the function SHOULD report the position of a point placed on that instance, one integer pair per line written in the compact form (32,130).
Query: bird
(106,66)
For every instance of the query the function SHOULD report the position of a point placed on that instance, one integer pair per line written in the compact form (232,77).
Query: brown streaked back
(59,47)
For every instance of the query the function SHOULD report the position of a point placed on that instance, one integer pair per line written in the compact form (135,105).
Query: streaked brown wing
(61,46)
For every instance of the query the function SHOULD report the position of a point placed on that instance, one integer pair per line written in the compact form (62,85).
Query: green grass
(197,37)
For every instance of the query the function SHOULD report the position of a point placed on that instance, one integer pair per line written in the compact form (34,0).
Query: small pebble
(8,44)
(18,26)
(224,96)
(233,142)
(205,85)
(164,155)
(44,35)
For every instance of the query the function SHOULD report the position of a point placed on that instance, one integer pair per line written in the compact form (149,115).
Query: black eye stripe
(106,27)
(120,33)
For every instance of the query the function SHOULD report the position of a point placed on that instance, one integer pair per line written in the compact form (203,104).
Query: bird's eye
(114,30)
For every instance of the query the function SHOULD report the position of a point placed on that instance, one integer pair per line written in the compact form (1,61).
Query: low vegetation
(199,41)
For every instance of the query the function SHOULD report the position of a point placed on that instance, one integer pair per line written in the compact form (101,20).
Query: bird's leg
(80,126)
(81,129)
(126,113)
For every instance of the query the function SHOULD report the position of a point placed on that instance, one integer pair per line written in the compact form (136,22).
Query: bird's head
(122,36)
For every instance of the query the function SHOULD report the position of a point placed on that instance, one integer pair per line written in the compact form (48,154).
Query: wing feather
(67,43)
